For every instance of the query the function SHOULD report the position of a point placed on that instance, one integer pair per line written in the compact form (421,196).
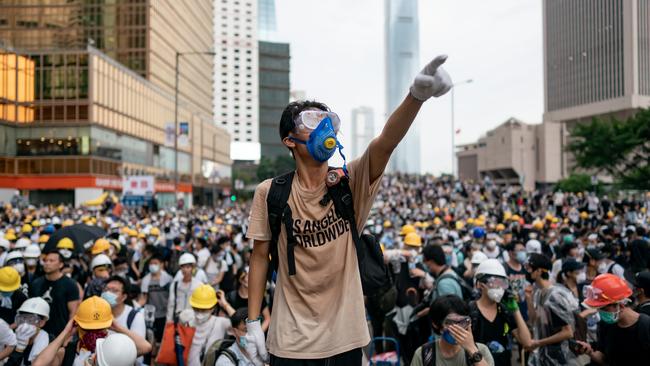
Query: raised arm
(432,81)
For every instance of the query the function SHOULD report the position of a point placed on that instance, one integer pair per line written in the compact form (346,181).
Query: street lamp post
(453,125)
(176,74)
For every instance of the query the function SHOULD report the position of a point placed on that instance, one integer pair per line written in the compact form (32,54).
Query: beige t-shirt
(318,312)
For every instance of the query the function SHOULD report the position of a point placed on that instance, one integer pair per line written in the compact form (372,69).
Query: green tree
(272,167)
(620,149)
(575,183)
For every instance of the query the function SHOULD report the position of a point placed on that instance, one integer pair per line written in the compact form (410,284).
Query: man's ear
(288,142)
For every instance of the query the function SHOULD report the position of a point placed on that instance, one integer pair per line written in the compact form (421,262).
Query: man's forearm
(564,334)
(257,278)
(394,131)
(522,333)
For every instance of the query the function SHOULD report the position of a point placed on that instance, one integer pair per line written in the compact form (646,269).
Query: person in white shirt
(115,293)
(30,338)
(209,328)
(202,252)
(236,354)
(7,340)
(182,288)
(216,267)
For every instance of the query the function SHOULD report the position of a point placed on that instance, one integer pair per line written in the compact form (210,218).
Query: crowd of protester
(544,278)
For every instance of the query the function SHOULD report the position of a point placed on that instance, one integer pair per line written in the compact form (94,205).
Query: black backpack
(375,278)
(217,349)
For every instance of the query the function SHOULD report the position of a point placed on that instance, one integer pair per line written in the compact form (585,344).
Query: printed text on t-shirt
(315,233)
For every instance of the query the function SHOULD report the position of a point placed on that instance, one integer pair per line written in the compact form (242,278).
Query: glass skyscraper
(402,63)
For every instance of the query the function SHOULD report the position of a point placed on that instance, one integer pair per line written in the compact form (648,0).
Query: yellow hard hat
(407,229)
(584,215)
(132,232)
(141,236)
(93,220)
(470,221)
(10,236)
(538,225)
(436,209)
(387,223)
(65,243)
(85,218)
(610,214)
(515,217)
(67,222)
(204,297)
(460,225)
(555,220)
(507,215)
(11,230)
(9,279)
(43,238)
(500,227)
(94,313)
(418,224)
(437,221)
(27,228)
(36,223)
(218,221)
(413,239)
(154,231)
(101,245)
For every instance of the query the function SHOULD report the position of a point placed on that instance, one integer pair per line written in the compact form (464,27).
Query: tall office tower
(267,23)
(596,60)
(273,95)
(402,63)
(236,75)
(363,130)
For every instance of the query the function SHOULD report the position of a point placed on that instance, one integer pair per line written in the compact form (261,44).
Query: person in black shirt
(623,334)
(238,298)
(492,321)
(59,291)
(642,283)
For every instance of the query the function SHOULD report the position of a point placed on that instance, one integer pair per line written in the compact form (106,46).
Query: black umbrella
(82,236)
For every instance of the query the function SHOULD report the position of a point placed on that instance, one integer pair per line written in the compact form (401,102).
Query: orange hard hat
(607,289)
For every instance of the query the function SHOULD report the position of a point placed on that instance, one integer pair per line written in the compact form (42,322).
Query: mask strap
(345,165)
(297,140)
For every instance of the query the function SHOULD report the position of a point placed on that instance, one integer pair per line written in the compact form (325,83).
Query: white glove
(256,335)
(24,333)
(432,81)
(251,349)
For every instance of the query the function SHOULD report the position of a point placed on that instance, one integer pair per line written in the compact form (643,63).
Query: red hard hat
(607,289)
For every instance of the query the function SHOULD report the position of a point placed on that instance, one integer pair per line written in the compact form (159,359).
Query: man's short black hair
(55,251)
(238,317)
(434,253)
(444,305)
(125,284)
(289,114)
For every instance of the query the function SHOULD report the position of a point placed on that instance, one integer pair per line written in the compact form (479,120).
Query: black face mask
(529,278)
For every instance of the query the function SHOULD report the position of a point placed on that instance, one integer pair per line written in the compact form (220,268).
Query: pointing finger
(431,68)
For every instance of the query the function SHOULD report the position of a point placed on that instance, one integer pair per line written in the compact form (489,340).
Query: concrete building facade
(513,153)
(402,58)
(103,96)
(596,61)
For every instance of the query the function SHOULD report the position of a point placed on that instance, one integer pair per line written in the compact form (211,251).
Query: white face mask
(495,294)
(581,277)
(31,262)
(602,267)
(154,268)
(20,267)
(201,317)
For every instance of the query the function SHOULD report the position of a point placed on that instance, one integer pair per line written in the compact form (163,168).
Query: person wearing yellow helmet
(209,328)
(65,246)
(92,321)
(61,292)
(101,246)
(11,294)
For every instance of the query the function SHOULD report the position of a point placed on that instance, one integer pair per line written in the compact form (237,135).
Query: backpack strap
(276,202)
(341,195)
(429,354)
(475,316)
(131,317)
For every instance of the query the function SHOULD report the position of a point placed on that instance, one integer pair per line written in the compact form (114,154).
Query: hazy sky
(337,57)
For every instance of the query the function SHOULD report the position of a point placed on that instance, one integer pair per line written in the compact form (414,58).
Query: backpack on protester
(375,278)
(131,317)
(429,355)
(467,292)
(217,349)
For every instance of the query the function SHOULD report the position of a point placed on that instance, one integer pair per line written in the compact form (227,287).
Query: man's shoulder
(264,187)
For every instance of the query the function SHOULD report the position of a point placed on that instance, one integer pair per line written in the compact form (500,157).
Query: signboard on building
(141,185)
(184,134)
(170,132)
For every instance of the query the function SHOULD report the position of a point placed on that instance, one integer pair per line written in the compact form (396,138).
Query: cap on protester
(642,280)
(570,264)
(534,246)
(537,261)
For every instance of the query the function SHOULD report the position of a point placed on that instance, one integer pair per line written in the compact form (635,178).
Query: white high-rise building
(402,63)
(363,130)
(236,76)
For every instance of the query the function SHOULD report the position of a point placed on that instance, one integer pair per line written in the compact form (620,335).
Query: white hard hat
(116,350)
(478,257)
(186,258)
(14,254)
(100,260)
(35,305)
(32,251)
(22,243)
(4,243)
(534,246)
(56,220)
(490,267)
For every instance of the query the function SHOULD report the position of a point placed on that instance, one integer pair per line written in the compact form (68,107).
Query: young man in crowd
(324,296)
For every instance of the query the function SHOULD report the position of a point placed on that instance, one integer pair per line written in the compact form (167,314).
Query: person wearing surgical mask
(497,314)
(209,328)
(236,354)
(154,291)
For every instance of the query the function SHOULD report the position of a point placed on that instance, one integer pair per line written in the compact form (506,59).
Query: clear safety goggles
(309,120)
(455,319)
(497,282)
(27,318)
